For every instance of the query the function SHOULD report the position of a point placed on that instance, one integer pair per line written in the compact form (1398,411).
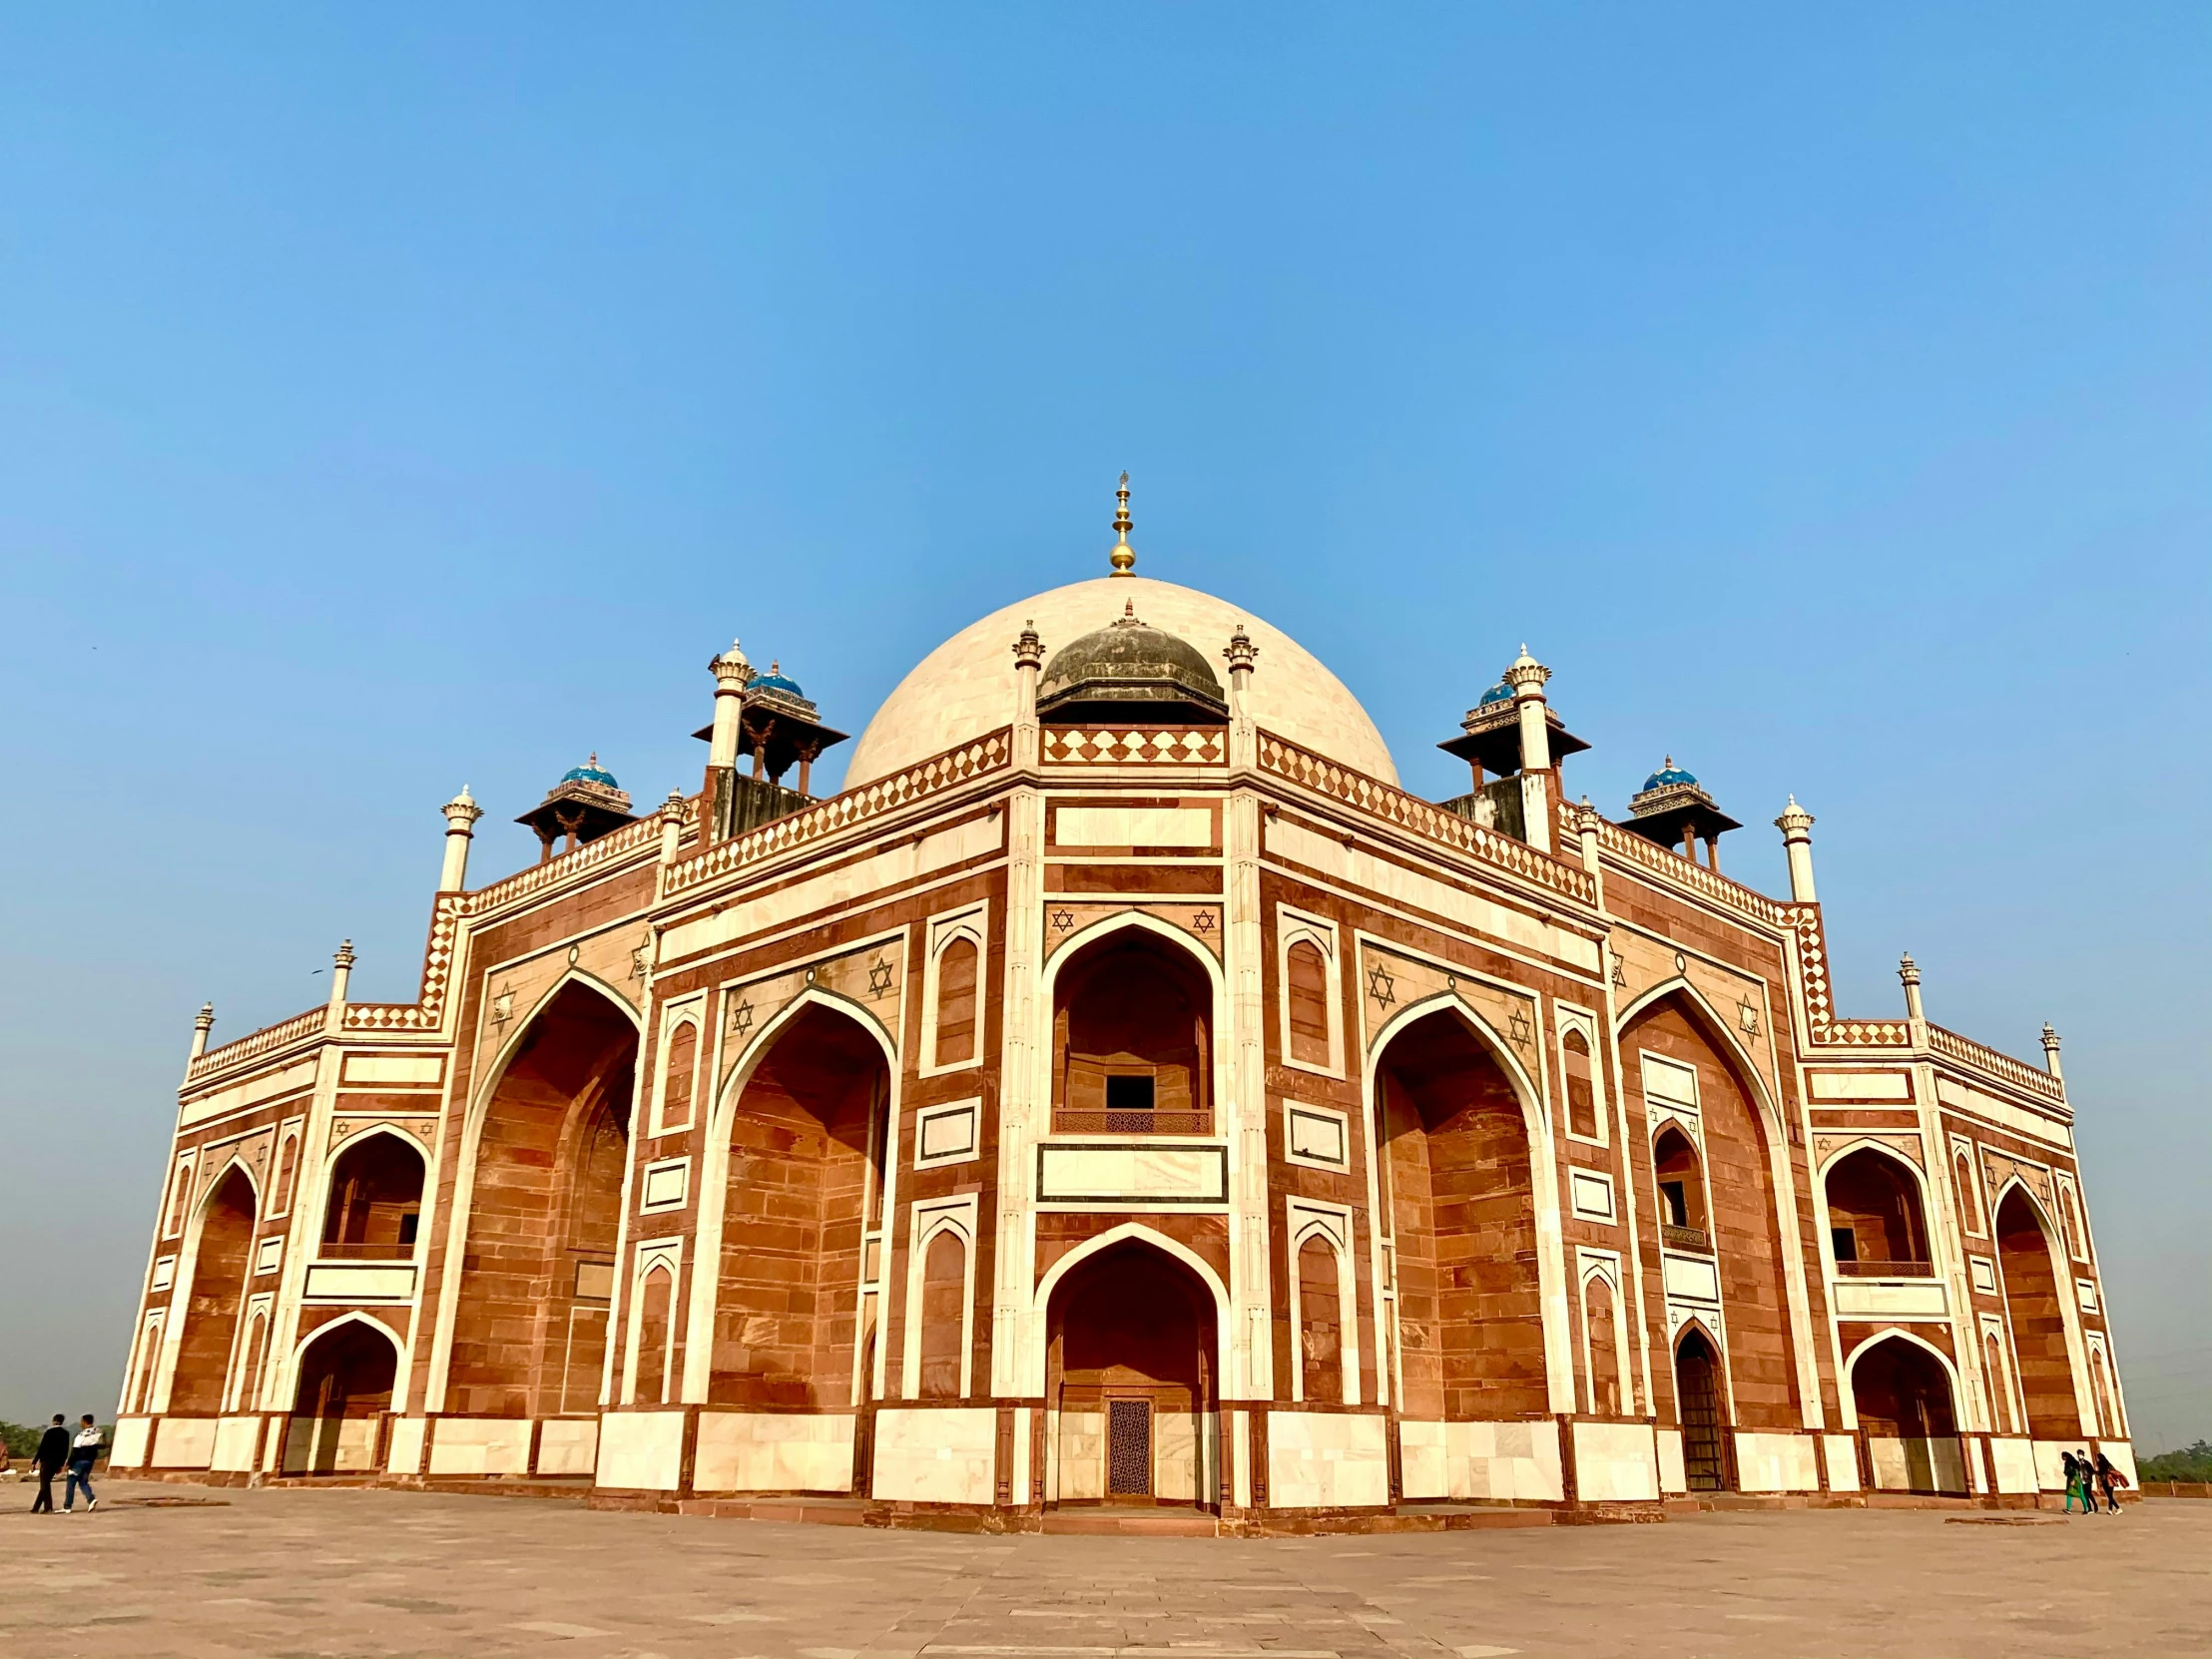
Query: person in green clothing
(2077,1485)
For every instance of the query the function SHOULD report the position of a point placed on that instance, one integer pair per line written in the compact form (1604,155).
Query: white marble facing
(1084,1174)
(1916,1464)
(936,1457)
(395,1068)
(235,1442)
(568,1446)
(1077,1440)
(1776,1462)
(1841,1452)
(127,1449)
(481,1445)
(2013,1463)
(2050,1462)
(2122,1454)
(641,1450)
(1859,1085)
(359,1282)
(1616,1463)
(1327,1460)
(403,1448)
(346,1447)
(1133,827)
(1495,1461)
(966,686)
(773,1451)
(250,1093)
(1674,1475)
(1880,1299)
(1692,1277)
(1989,1108)
(1178,1447)
(184,1443)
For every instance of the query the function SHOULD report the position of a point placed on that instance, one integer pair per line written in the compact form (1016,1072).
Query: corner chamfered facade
(1124,1093)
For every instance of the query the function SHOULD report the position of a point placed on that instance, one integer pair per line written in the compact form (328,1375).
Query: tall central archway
(1457,1186)
(806,1166)
(545,1206)
(2027,1256)
(219,1273)
(1903,1401)
(1130,1387)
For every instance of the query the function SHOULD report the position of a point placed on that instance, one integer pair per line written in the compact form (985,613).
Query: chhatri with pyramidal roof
(1124,1106)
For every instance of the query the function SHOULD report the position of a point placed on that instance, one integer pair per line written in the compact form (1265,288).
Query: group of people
(2089,1478)
(59,1449)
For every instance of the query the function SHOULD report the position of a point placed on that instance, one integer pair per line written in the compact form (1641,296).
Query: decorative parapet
(839,812)
(1407,812)
(1085,746)
(1682,872)
(1966,1052)
(254,1044)
(1822,1029)
(608,848)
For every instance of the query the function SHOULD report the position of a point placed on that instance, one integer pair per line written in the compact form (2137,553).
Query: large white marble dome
(966,686)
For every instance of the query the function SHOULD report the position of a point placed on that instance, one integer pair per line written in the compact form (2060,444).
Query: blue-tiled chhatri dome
(1667,777)
(1500,693)
(591,771)
(775,680)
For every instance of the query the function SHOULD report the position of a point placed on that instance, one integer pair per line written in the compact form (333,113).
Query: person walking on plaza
(2109,1482)
(52,1453)
(2078,1489)
(84,1452)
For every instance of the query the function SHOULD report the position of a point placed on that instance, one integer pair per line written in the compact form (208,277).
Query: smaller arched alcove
(376,1203)
(1701,1412)
(339,1408)
(1132,1039)
(221,1264)
(1875,1223)
(1903,1396)
(1679,1176)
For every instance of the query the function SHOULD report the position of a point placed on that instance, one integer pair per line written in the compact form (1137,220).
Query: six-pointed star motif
(1381,987)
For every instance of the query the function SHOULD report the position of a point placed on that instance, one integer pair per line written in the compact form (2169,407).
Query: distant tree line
(2191,1462)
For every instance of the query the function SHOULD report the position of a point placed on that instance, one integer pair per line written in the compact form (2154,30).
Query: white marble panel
(242,1095)
(1177,1449)
(2014,1464)
(409,1439)
(1154,1174)
(127,1449)
(393,1068)
(641,1450)
(360,1282)
(1692,1277)
(1133,827)
(1984,1273)
(1078,1439)
(1424,1461)
(1991,1109)
(235,1442)
(1842,1454)
(1616,1463)
(1327,1460)
(773,1451)
(1504,1460)
(481,1445)
(2050,1462)
(936,1457)
(1674,1475)
(1915,1465)
(2124,1458)
(1776,1462)
(1859,1085)
(1890,1298)
(185,1444)
(568,1446)
(1591,1194)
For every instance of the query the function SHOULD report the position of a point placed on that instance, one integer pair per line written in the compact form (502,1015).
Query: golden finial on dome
(1123,557)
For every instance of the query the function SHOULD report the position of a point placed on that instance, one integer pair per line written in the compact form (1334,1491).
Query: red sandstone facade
(1146,1109)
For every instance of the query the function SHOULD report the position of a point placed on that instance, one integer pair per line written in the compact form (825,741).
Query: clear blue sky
(392,398)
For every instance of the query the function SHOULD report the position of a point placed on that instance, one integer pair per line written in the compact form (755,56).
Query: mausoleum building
(1124,1093)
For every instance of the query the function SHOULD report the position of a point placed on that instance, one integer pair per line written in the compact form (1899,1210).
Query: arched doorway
(1904,1402)
(2032,1298)
(1132,1039)
(1679,1061)
(545,1206)
(1697,1393)
(219,1273)
(1875,1223)
(805,1173)
(1457,1189)
(339,1407)
(375,1199)
(1129,1382)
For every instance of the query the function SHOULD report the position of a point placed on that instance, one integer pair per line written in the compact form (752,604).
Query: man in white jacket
(84,1452)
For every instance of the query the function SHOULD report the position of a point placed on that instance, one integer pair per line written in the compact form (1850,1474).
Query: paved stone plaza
(286,1572)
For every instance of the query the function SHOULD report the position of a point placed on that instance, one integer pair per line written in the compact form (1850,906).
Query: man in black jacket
(53,1452)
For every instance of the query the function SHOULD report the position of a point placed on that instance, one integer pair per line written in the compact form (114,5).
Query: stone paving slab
(292,1574)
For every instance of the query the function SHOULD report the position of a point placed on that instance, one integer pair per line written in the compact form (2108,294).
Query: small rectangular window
(1678,1203)
(1844,1243)
(1129,1094)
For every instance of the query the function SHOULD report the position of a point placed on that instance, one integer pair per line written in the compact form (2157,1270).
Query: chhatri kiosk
(1124,1100)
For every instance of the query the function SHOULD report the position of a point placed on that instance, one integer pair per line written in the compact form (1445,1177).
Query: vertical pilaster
(1245,1100)
(1025,1060)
